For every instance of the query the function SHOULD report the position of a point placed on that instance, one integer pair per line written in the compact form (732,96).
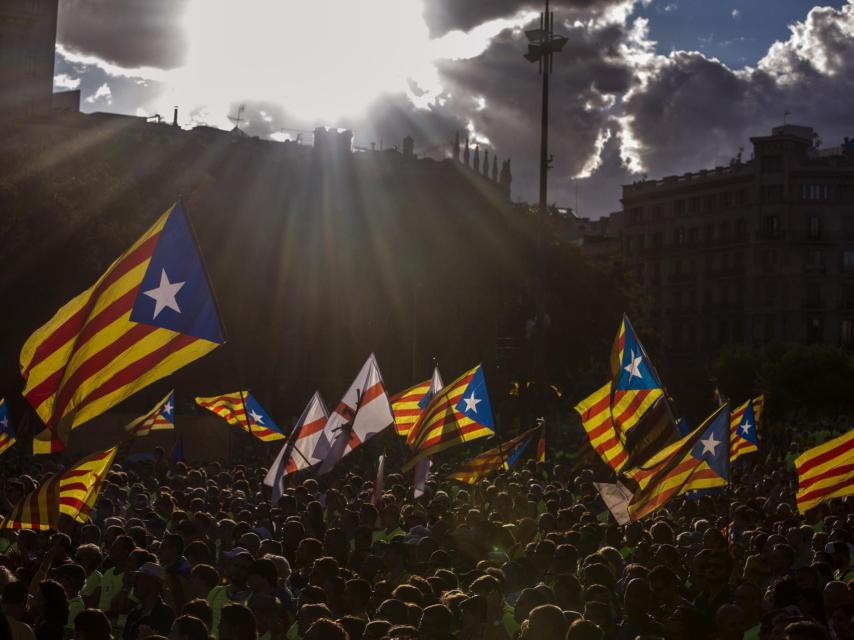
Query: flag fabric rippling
(825,472)
(241,409)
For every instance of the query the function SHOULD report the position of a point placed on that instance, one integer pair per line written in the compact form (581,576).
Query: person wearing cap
(72,577)
(152,616)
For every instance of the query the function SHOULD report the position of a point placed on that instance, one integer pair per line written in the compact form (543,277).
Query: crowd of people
(197,551)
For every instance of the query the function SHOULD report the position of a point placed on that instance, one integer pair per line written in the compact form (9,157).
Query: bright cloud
(103,93)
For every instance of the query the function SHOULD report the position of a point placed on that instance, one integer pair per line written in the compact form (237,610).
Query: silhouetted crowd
(192,552)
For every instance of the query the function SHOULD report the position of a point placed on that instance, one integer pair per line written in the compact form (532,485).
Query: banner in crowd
(825,472)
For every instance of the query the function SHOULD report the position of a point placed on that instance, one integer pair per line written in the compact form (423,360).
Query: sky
(642,88)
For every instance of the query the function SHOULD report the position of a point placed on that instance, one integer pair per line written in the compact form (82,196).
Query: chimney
(175,117)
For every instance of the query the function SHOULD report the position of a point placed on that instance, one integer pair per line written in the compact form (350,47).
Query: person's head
(584,630)
(262,576)
(266,608)
(835,595)
(805,630)
(490,588)
(326,629)
(729,620)
(120,550)
(376,630)
(89,557)
(50,603)
(16,600)
(308,614)
(473,617)
(92,624)
(392,610)
(237,623)
(72,578)
(545,622)
(437,623)
(171,549)
(528,599)
(188,628)
(149,581)
(637,600)
(199,608)
(357,595)
(203,578)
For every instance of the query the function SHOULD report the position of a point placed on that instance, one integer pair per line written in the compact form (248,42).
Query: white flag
(363,412)
(296,452)
(616,497)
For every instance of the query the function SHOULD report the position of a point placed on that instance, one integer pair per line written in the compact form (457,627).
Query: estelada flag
(408,405)
(7,431)
(241,409)
(825,472)
(160,418)
(149,314)
(72,492)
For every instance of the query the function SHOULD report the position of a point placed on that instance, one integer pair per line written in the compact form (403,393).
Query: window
(710,202)
(708,233)
(813,294)
(815,329)
(770,226)
(772,193)
(725,230)
(679,236)
(848,227)
(814,261)
(658,239)
(679,207)
(656,273)
(772,164)
(725,200)
(658,212)
(741,196)
(848,260)
(693,205)
(846,332)
(692,235)
(814,226)
(740,227)
(815,192)
(635,215)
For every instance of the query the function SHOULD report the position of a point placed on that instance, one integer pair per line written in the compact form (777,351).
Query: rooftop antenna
(239,117)
(786,115)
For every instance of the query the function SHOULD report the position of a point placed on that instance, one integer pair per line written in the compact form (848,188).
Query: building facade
(27,43)
(753,253)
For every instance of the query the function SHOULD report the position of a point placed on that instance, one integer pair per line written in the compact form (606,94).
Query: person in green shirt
(236,591)
(113,580)
(89,557)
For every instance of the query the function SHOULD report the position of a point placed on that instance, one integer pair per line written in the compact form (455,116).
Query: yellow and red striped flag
(541,447)
(7,431)
(458,413)
(149,314)
(241,409)
(160,418)
(758,405)
(407,406)
(635,383)
(501,457)
(825,472)
(595,412)
(72,492)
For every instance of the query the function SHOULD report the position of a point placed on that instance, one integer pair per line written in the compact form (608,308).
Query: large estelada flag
(458,413)
(696,462)
(743,438)
(408,405)
(362,413)
(825,472)
(151,313)
(241,409)
(72,492)
(635,383)
(595,412)
(7,431)
(160,418)
(296,452)
(504,456)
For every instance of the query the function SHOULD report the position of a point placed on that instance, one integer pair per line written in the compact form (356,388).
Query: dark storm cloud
(447,15)
(129,33)
(694,111)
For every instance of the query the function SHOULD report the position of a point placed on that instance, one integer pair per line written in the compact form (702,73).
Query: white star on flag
(4,422)
(164,295)
(167,408)
(710,445)
(633,366)
(471,403)
(745,428)
(256,418)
